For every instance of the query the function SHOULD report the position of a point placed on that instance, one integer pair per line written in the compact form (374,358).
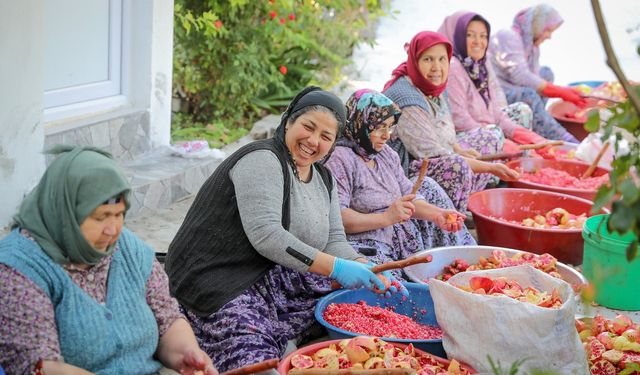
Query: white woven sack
(476,326)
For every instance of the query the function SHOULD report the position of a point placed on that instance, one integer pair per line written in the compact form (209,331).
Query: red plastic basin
(285,364)
(574,168)
(489,206)
(575,126)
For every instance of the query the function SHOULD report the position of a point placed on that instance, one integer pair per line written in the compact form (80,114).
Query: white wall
(161,72)
(147,86)
(21,133)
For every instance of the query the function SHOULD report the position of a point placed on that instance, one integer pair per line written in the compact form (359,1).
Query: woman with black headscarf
(250,260)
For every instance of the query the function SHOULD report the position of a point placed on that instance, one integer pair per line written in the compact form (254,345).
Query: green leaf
(632,252)
(593,122)
(622,217)
(603,197)
(629,190)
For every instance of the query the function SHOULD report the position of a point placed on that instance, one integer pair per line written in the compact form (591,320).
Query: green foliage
(497,369)
(624,184)
(234,60)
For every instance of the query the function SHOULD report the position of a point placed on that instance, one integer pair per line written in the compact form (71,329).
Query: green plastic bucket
(616,281)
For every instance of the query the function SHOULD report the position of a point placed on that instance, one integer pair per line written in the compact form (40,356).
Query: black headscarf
(311,96)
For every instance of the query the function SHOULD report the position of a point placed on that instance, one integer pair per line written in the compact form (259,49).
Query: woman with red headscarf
(426,129)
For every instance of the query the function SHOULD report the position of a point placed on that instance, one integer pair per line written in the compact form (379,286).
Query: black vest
(211,261)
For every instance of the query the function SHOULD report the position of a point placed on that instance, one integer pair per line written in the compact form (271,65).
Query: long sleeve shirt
(316,223)
(510,61)
(468,109)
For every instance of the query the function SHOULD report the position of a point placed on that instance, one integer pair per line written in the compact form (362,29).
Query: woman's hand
(354,274)
(196,362)
(467,153)
(449,220)
(503,172)
(401,210)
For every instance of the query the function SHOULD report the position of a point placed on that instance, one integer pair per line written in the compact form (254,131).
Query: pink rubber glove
(524,136)
(565,93)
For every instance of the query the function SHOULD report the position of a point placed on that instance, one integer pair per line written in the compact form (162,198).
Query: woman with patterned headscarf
(426,130)
(378,210)
(475,95)
(515,56)
(79,293)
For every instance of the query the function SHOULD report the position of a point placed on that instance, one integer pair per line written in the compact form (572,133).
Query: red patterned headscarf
(420,43)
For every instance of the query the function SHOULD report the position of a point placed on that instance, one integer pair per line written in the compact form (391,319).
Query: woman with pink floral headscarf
(515,56)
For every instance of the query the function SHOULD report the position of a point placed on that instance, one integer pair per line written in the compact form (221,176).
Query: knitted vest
(119,337)
(210,260)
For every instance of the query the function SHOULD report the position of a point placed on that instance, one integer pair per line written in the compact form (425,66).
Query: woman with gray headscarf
(81,294)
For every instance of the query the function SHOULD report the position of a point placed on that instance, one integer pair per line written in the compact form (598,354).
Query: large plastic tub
(489,206)
(574,125)
(419,299)
(574,168)
(285,364)
(615,280)
(443,256)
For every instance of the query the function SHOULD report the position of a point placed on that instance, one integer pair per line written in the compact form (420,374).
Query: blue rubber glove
(351,274)
(392,289)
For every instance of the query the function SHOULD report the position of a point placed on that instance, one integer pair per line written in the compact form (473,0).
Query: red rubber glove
(565,93)
(524,136)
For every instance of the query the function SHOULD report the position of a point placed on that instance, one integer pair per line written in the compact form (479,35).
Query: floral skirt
(256,325)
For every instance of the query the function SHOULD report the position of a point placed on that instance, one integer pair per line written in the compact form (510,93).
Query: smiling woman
(261,237)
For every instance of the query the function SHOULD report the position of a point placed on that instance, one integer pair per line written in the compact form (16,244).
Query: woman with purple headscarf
(515,56)
(476,98)
(382,218)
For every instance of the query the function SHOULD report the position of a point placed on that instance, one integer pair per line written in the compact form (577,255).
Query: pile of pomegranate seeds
(501,286)
(368,320)
(554,177)
(498,259)
(372,353)
(612,346)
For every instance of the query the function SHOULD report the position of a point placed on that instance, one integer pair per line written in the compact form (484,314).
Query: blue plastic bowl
(592,84)
(419,298)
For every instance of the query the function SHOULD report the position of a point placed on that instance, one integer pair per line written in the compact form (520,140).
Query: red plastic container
(574,168)
(285,364)
(489,206)
(575,126)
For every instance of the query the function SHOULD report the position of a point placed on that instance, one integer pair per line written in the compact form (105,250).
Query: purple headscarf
(477,70)
(531,23)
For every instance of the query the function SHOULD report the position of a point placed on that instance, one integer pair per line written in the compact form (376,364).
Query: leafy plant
(497,369)
(234,60)
(624,185)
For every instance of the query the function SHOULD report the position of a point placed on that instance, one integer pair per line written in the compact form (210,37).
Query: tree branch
(612,60)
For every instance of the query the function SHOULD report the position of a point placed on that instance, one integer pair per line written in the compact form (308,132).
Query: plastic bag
(198,149)
(589,148)
(476,326)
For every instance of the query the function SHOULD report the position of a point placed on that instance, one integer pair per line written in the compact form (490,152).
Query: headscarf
(530,23)
(79,180)
(420,43)
(308,97)
(477,70)
(367,110)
